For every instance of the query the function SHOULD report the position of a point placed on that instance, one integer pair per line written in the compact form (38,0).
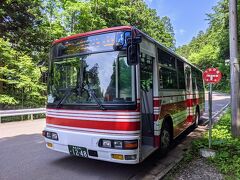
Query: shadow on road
(26,157)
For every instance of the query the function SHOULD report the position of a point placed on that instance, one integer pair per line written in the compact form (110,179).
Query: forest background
(27,28)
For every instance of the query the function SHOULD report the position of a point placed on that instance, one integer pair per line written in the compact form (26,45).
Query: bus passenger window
(181,79)
(166,59)
(199,80)
(146,72)
(168,77)
(188,73)
(168,71)
(194,83)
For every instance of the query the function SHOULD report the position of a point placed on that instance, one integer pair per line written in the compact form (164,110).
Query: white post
(210,115)
(235,89)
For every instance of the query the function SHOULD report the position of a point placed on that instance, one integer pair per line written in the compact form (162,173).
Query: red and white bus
(118,95)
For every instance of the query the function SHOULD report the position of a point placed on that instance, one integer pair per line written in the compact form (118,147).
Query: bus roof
(122,28)
(118,28)
(167,49)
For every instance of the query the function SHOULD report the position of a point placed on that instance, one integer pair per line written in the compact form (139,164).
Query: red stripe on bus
(156,116)
(117,118)
(121,28)
(192,102)
(190,118)
(156,141)
(186,103)
(156,103)
(101,125)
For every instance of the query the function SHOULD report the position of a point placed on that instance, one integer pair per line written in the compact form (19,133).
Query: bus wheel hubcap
(197,118)
(165,139)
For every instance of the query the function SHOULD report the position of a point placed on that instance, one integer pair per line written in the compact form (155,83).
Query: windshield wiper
(92,94)
(67,93)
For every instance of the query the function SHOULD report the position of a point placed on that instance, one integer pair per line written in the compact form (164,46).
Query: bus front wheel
(165,139)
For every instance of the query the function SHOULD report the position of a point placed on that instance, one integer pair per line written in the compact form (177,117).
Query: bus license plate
(77,151)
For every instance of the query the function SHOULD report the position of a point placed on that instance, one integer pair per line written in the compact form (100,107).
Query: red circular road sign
(212,75)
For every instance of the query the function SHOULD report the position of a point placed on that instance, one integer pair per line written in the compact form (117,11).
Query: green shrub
(227,148)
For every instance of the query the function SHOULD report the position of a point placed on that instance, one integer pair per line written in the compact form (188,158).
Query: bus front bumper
(85,144)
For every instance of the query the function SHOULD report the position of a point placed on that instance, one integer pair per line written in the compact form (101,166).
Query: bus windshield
(97,79)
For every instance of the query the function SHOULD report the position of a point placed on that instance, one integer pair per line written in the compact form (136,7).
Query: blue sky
(188,17)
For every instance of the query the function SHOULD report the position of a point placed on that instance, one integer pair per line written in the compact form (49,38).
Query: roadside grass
(227,159)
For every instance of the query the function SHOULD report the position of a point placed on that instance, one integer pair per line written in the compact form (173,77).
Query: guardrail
(19,112)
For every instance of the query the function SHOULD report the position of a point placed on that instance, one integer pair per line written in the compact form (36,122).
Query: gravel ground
(197,169)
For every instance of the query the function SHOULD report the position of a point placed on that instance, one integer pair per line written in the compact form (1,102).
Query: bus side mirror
(133,50)
(133,54)
(138,39)
(117,46)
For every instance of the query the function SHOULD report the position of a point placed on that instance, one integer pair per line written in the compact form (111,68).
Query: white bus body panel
(90,141)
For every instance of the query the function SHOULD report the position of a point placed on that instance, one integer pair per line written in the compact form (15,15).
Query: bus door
(195,100)
(189,95)
(146,92)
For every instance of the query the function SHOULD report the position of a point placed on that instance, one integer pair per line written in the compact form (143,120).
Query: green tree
(206,56)
(211,48)
(82,16)
(20,79)
(27,28)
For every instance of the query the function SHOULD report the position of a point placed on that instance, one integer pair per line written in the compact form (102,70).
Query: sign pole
(210,115)
(210,76)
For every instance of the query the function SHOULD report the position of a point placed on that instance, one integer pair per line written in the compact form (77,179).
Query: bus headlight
(50,135)
(118,144)
(54,136)
(106,143)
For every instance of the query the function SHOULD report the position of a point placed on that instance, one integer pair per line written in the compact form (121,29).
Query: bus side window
(188,79)
(181,79)
(166,59)
(168,78)
(167,70)
(146,72)
(194,85)
(199,80)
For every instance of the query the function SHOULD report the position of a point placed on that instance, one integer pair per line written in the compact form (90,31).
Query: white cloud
(180,31)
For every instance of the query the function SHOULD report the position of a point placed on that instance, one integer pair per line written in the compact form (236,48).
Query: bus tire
(165,138)
(197,116)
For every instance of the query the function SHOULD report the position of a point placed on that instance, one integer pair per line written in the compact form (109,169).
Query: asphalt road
(219,102)
(23,156)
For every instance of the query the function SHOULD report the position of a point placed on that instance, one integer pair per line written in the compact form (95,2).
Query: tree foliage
(211,48)
(27,28)
(71,17)
(20,77)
